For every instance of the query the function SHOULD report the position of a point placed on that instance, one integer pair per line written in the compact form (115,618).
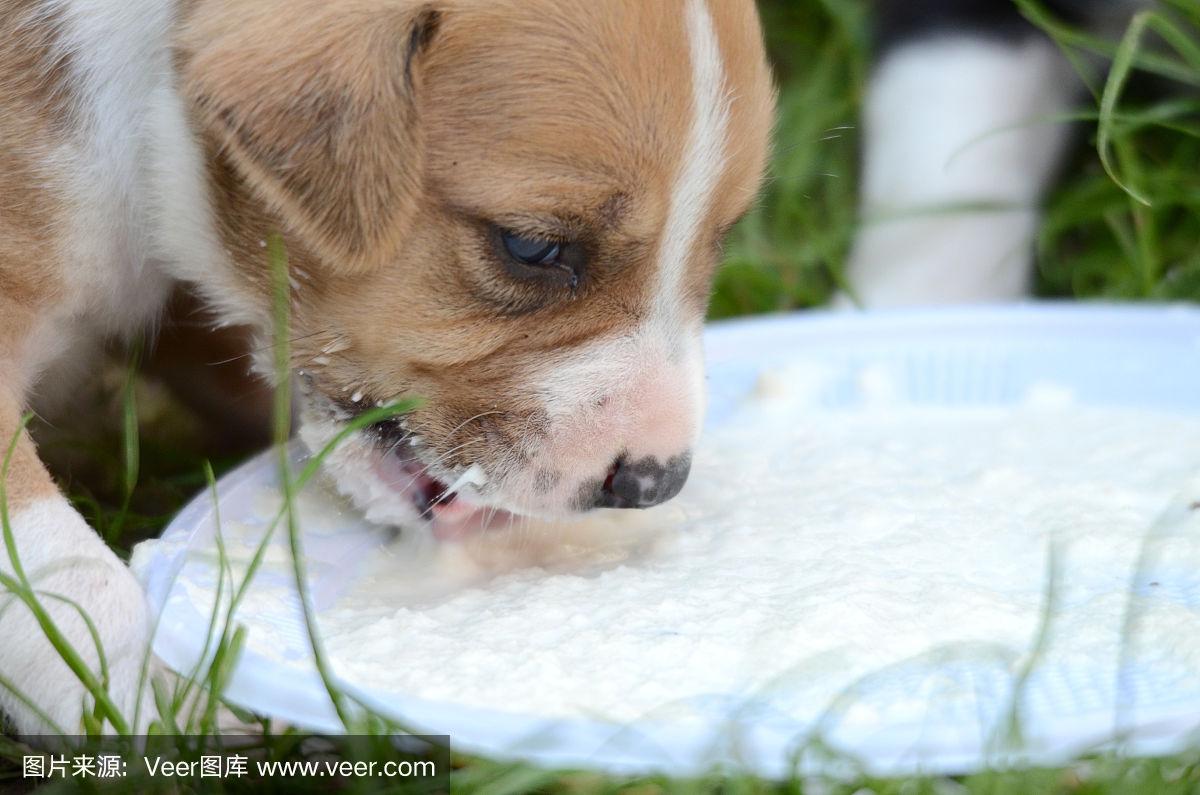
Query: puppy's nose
(642,483)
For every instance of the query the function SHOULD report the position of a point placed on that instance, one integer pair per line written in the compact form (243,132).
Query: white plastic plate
(1127,356)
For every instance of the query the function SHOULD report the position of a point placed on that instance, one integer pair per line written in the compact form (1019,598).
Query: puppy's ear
(315,104)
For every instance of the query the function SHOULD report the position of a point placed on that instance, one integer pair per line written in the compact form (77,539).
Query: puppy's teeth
(474,476)
(357,396)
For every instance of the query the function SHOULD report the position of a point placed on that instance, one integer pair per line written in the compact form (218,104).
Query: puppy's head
(509,208)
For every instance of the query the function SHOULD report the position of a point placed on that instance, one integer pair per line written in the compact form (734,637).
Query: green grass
(1123,223)
(788,252)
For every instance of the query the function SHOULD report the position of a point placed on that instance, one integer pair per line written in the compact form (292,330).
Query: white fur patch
(135,181)
(639,395)
(118,54)
(185,238)
(701,166)
(957,121)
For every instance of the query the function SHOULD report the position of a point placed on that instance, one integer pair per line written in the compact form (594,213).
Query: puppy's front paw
(97,618)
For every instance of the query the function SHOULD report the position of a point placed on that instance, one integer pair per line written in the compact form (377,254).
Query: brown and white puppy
(510,208)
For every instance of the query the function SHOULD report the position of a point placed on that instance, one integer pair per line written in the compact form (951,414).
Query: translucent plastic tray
(1124,356)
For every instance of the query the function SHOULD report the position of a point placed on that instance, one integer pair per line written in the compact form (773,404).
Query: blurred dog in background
(963,133)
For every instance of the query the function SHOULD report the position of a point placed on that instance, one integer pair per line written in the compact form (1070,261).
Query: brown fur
(34,113)
(27,479)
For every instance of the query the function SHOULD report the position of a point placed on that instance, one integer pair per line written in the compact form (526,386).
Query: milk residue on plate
(883,560)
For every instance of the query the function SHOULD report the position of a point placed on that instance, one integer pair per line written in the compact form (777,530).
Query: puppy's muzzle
(642,483)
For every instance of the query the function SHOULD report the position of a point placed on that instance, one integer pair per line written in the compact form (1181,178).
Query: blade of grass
(223,570)
(1012,731)
(291,484)
(277,256)
(101,657)
(1071,37)
(129,442)
(1118,76)
(38,712)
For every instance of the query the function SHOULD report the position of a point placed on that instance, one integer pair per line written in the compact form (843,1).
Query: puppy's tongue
(451,517)
(454,520)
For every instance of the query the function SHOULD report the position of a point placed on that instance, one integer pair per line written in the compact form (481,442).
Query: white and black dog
(963,132)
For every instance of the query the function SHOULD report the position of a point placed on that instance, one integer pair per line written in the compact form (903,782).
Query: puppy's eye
(531,250)
(540,260)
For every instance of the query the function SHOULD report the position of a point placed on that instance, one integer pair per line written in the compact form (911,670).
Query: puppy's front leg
(70,568)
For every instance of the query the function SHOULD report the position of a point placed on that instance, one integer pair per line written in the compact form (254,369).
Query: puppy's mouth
(393,477)
(449,511)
